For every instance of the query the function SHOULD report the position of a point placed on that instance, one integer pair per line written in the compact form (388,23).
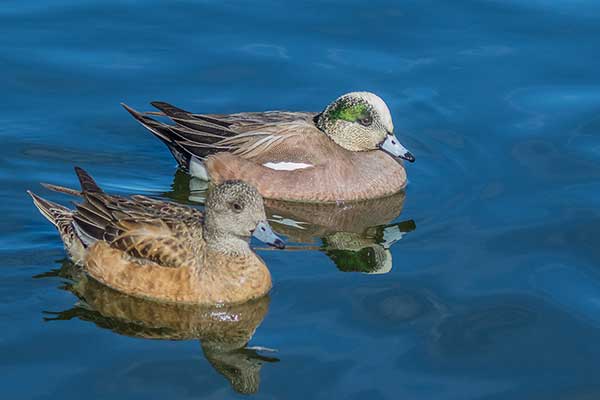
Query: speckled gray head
(361,121)
(235,209)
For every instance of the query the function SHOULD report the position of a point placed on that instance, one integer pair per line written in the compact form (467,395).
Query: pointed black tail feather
(195,121)
(189,128)
(160,130)
(191,136)
(83,225)
(88,184)
(171,111)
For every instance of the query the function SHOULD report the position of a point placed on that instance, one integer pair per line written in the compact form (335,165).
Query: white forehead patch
(379,105)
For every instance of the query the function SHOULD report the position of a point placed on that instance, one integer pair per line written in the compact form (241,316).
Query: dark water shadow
(223,331)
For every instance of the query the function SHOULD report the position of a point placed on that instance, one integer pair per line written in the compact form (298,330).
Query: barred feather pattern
(144,228)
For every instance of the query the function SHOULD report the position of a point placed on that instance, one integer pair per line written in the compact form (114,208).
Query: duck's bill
(264,233)
(392,145)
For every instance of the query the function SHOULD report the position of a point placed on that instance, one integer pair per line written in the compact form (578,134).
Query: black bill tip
(278,243)
(408,157)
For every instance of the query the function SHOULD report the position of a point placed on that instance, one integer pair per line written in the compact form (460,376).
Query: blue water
(494,287)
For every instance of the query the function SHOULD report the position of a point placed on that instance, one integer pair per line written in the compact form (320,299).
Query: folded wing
(147,229)
(249,135)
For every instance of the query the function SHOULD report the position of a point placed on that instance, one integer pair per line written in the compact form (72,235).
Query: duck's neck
(335,131)
(225,243)
(323,122)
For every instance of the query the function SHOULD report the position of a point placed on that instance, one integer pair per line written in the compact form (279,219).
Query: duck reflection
(356,236)
(224,331)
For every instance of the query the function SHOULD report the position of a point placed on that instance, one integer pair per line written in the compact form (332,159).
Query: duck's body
(163,251)
(214,278)
(335,174)
(331,156)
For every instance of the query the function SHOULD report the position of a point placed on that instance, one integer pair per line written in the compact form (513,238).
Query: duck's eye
(237,207)
(366,121)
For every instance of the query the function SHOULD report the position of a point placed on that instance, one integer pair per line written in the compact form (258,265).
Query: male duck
(163,251)
(336,155)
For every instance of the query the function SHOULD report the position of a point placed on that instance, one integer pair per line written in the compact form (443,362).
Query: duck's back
(247,121)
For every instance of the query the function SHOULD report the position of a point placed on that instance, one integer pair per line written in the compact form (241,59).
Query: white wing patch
(286,166)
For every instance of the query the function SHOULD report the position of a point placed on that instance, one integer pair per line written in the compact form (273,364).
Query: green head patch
(348,111)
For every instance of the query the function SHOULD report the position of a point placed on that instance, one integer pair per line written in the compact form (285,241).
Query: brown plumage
(164,251)
(332,158)
(224,330)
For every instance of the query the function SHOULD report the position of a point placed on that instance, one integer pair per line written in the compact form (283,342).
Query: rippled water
(494,287)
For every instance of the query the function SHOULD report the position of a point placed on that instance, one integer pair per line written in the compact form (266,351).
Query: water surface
(491,287)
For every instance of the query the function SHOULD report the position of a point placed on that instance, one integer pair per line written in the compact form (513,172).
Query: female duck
(163,251)
(348,152)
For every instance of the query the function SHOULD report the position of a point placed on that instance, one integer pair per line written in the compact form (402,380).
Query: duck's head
(234,212)
(361,121)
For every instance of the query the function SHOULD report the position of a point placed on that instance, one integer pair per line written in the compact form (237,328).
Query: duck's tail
(88,185)
(62,217)
(192,138)
(58,215)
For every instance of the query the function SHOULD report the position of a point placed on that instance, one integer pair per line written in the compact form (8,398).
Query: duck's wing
(147,229)
(294,142)
(237,122)
(166,243)
(241,122)
(162,233)
(246,134)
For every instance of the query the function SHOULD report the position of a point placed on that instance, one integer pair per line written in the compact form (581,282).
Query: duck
(348,152)
(158,250)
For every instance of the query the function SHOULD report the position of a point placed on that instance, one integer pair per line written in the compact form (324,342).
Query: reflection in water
(355,236)
(223,331)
